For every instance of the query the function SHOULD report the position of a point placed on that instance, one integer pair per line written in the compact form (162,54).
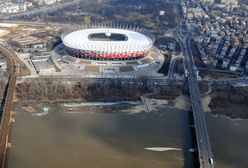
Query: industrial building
(29,43)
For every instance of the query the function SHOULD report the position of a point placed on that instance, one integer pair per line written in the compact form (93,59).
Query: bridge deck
(203,142)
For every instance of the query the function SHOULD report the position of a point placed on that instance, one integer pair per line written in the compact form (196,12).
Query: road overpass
(203,142)
(171,70)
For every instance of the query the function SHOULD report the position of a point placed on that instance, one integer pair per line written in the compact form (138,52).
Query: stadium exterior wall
(109,50)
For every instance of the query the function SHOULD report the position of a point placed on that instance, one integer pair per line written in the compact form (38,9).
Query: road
(171,70)
(203,142)
(44,10)
(129,81)
(8,102)
(41,23)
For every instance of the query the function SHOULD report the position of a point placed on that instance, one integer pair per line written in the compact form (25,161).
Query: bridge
(203,143)
(8,103)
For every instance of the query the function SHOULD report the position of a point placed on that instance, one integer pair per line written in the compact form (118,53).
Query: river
(106,137)
(229,140)
(113,135)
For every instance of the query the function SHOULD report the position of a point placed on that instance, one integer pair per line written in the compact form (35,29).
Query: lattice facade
(107,42)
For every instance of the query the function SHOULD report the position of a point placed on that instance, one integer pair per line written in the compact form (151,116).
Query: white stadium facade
(113,42)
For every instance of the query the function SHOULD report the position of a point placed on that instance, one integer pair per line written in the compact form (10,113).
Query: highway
(205,155)
(203,142)
(8,102)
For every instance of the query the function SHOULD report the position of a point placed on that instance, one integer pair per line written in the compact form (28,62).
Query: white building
(9,8)
(208,1)
(161,13)
(3,66)
(47,2)
(229,2)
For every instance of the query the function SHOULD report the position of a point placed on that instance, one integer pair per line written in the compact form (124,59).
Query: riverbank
(229,101)
(47,90)
(137,106)
(220,99)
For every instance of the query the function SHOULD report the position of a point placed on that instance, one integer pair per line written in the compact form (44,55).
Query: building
(107,42)
(107,51)
(208,1)
(9,8)
(29,43)
(3,66)
(161,13)
(47,2)
(229,2)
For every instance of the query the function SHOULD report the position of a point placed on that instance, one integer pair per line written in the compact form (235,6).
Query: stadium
(113,42)
(107,51)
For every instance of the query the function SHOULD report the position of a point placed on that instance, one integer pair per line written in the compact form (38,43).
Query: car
(211,161)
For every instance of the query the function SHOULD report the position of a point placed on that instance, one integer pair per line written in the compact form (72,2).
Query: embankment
(45,90)
(229,101)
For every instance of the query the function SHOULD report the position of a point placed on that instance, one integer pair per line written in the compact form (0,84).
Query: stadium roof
(115,40)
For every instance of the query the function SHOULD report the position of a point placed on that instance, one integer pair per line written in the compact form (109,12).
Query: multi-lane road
(203,141)
(8,102)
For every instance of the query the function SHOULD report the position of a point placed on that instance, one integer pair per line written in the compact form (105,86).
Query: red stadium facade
(106,56)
